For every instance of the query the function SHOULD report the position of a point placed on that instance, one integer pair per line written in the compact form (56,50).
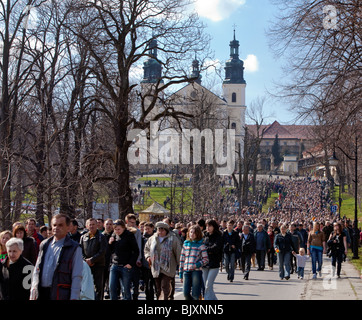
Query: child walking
(301,260)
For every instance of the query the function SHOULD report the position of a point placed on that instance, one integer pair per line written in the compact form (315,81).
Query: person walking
(149,282)
(337,243)
(271,253)
(131,224)
(94,246)
(193,258)
(231,245)
(283,245)
(316,246)
(58,271)
(214,245)
(162,252)
(301,260)
(297,241)
(14,272)
(248,248)
(125,251)
(108,231)
(263,245)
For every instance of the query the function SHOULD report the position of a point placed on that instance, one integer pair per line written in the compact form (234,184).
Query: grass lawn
(347,207)
(158,194)
(270,202)
(154,179)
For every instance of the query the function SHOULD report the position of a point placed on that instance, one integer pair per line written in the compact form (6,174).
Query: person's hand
(181,280)
(149,261)
(128,266)
(89,262)
(111,239)
(138,263)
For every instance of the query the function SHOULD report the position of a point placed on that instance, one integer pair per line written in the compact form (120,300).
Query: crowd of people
(119,259)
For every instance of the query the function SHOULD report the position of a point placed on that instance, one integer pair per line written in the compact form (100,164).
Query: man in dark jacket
(108,231)
(297,239)
(58,271)
(149,282)
(94,246)
(73,231)
(262,242)
(248,248)
(231,241)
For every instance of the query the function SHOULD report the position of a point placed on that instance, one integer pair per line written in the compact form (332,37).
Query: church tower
(152,68)
(234,90)
(152,77)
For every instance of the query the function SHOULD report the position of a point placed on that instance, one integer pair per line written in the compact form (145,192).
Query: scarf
(162,260)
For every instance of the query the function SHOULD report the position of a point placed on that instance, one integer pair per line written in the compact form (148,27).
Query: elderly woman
(15,275)
(162,252)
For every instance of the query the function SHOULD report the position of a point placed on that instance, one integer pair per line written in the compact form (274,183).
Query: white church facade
(209,111)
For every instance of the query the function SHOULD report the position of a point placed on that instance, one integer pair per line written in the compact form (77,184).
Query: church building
(209,110)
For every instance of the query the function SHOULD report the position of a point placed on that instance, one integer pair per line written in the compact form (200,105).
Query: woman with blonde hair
(316,246)
(4,237)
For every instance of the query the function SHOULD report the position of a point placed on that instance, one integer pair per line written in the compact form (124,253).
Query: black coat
(94,248)
(125,249)
(214,245)
(30,249)
(229,240)
(12,278)
(248,245)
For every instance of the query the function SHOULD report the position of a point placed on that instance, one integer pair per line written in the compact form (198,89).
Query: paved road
(266,285)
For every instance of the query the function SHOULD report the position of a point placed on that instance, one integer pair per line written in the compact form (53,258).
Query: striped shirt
(193,256)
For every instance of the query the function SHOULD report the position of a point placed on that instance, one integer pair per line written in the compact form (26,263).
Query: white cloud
(217,10)
(251,63)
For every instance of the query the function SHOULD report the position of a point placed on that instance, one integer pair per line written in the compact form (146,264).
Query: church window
(233,97)
(233,125)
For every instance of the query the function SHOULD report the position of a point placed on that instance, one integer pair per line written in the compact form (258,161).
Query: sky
(262,71)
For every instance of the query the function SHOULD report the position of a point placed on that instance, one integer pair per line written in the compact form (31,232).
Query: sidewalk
(348,287)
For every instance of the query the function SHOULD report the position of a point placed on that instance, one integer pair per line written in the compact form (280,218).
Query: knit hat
(163,225)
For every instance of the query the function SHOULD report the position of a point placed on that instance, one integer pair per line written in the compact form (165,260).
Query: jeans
(192,284)
(300,271)
(123,276)
(209,275)
(229,259)
(317,256)
(284,264)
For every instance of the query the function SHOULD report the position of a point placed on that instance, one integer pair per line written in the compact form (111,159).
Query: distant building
(292,139)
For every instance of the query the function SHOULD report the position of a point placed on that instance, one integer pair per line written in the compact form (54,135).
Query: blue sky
(252,18)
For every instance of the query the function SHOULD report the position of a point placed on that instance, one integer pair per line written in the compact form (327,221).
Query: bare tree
(118,35)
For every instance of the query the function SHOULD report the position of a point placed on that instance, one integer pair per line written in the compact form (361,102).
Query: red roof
(300,132)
